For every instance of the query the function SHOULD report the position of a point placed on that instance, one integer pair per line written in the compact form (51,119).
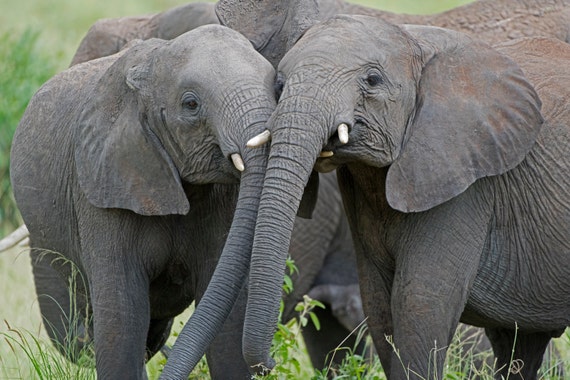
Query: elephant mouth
(336,152)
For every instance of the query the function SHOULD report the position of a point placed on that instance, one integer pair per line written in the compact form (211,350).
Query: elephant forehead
(212,39)
(350,39)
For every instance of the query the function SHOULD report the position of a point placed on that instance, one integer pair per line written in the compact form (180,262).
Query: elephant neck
(370,183)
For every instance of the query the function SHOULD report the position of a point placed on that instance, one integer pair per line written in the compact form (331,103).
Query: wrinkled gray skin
(108,36)
(273,26)
(121,166)
(326,255)
(454,183)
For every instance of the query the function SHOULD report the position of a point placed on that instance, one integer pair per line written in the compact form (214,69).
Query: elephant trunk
(230,273)
(294,149)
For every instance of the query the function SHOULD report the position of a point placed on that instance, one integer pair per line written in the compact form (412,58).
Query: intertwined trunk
(230,273)
(297,140)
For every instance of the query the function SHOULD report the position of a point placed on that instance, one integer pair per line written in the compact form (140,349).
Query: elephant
(121,166)
(273,26)
(452,160)
(321,247)
(108,36)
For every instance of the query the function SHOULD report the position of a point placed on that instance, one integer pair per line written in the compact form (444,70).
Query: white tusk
(238,162)
(326,153)
(24,243)
(14,238)
(343,133)
(259,140)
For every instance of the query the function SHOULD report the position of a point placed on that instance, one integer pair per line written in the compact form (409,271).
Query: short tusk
(238,162)
(343,133)
(259,140)
(326,153)
(14,238)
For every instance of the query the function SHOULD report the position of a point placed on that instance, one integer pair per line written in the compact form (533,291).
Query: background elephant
(454,183)
(273,26)
(122,166)
(108,36)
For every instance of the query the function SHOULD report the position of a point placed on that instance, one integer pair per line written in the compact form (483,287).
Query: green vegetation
(37,40)
(23,68)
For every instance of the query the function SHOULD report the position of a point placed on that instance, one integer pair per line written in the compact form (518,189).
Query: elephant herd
(176,161)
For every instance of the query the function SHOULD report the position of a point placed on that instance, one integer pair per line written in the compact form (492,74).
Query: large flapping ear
(310,197)
(120,162)
(476,116)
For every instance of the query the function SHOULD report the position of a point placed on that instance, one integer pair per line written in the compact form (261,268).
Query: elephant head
(168,113)
(431,107)
(271,26)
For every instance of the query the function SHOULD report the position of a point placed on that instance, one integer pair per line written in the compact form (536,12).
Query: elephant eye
(190,101)
(374,79)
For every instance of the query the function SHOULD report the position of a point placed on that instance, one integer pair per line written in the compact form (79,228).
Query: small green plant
(287,347)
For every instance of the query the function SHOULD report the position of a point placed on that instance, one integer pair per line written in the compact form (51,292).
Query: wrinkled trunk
(296,143)
(230,273)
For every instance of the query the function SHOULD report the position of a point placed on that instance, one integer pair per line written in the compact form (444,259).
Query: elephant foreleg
(121,317)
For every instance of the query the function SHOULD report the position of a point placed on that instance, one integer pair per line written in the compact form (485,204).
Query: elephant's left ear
(120,162)
(476,116)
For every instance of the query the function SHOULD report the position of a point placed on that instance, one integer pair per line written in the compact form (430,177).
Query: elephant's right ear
(476,116)
(120,162)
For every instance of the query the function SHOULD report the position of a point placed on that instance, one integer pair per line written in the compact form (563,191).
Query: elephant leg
(321,344)
(64,313)
(158,333)
(375,275)
(121,308)
(519,353)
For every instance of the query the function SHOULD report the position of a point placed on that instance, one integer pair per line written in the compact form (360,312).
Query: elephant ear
(120,162)
(476,116)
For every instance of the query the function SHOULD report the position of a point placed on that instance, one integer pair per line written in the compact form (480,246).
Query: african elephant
(108,36)
(125,164)
(454,181)
(273,26)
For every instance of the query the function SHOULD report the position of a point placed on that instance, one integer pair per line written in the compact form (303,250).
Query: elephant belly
(532,299)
